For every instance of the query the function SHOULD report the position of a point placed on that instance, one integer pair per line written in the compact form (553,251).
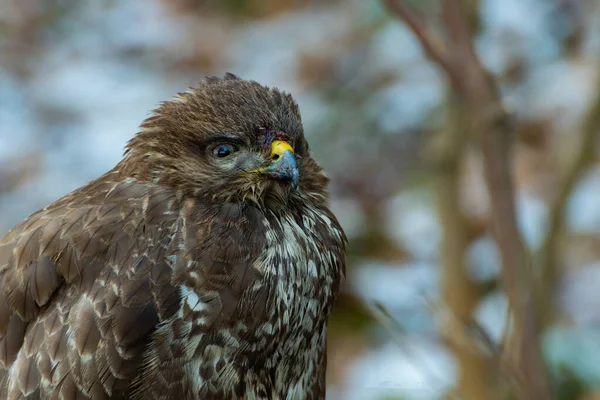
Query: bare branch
(433,45)
(548,256)
(477,370)
(458,27)
(516,263)
(491,125)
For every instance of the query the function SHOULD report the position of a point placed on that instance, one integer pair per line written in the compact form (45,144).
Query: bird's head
(227,139)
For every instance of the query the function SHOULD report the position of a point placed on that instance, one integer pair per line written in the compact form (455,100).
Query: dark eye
(224,150)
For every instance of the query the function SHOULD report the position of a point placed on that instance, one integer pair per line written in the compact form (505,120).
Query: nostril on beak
(278,148)
(284,167)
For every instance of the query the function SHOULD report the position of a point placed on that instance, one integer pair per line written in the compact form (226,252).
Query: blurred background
(77,78)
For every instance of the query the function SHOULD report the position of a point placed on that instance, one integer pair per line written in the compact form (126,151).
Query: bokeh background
(78,77)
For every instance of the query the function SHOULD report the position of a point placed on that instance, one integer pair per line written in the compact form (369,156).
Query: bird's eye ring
(224,150)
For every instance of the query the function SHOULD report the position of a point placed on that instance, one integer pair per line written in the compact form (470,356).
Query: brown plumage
(203,266)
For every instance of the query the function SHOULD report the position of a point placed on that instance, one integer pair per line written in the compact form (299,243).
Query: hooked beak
(284,164)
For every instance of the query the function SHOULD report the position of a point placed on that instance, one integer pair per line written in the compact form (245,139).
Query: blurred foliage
(567,384)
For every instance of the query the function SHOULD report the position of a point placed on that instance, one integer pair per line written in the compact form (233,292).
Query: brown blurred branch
(477,370)
(490,123)
(548,255)
(432,44)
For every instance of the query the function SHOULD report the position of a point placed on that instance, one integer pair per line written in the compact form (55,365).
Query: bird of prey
(204,265)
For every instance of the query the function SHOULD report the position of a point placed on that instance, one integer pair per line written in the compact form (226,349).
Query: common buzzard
(204,265)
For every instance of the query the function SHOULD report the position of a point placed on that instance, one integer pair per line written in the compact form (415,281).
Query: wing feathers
(11,340)
(28,376)
(82,284)
(83,328)
(43,280)
(133,323)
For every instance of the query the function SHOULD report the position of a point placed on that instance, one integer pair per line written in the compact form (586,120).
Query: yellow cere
(278,147)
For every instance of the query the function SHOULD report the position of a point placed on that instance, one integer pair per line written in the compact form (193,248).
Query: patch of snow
(420,370)
(413,222)
(406,291)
